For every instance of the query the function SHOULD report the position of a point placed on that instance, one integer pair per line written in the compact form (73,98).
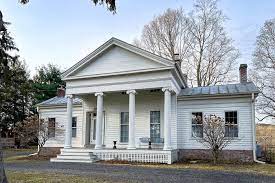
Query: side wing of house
(239,106)
(56,118)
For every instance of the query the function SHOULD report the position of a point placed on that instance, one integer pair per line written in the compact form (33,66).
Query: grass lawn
(263,169)
(39,177)
(13,157)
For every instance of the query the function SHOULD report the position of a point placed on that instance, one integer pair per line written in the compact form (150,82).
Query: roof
(59,101)
(116,42)
(229,89)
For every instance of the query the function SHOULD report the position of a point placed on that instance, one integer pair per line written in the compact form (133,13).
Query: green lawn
(39,177)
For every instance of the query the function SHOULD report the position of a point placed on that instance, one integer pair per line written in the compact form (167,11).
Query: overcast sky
(64,31)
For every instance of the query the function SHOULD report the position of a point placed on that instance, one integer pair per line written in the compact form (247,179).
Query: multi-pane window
(74,122)
(155,126)
(197,124)
(231,124)
(124,126)
(51,127)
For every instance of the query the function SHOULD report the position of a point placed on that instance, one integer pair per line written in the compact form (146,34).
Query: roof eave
(237,95)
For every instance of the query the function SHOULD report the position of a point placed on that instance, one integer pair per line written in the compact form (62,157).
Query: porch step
(72,160)
(75,155)
(78,150)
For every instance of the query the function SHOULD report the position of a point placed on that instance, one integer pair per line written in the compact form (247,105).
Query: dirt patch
(35,157)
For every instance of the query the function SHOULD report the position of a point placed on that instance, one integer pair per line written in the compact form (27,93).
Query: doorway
(91,127)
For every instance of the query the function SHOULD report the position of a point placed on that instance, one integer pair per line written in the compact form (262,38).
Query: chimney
(60,92)
(177,59)
(243,73)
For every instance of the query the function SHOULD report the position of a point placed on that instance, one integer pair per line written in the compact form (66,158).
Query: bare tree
(199,37)
(214,135)
(165,35)
(32,130)
(264,66)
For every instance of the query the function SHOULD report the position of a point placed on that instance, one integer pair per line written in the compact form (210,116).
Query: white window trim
(238,121)
(160,126)
(119,141)
(191,125)
(54,137)
(74,127)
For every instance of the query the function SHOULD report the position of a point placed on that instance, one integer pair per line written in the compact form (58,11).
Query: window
(231,124)
(124,126)
(197,125)
(155,126)
(51,127)
(74,121)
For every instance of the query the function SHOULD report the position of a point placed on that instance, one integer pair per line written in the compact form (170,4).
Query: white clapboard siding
(218,107)
(117,56)
(60,115)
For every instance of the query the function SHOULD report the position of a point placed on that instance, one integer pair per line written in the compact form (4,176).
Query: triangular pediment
(116,56)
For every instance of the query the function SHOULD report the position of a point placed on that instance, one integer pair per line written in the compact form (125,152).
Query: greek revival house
(122,102)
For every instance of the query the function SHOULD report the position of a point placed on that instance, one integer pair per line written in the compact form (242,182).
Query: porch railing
(145,156)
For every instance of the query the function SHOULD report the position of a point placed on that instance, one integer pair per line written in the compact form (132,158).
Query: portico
(165,119)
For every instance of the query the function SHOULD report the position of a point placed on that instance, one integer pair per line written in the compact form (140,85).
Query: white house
(125,94)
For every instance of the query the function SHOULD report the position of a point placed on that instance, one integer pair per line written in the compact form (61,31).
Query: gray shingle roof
(230,89)
(59,101)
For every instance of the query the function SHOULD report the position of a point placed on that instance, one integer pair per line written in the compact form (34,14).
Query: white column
(68,131)
(167,119)
(99,120)
(132,115)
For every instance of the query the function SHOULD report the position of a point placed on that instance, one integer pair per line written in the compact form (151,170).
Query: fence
(7,142)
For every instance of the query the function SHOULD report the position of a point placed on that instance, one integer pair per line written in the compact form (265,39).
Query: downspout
(254,130)
(38,148)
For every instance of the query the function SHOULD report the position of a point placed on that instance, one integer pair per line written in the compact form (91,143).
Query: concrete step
(73,160)
(75,157)
(79,150)
(77,153)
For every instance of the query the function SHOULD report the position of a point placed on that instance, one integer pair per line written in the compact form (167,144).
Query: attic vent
(155,90)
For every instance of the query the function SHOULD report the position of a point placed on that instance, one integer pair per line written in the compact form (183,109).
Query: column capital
(70,96)
(99,94)
(131,91)
(167,89)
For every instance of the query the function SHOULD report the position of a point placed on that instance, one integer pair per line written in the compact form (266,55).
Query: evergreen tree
(45,82)
(14,85)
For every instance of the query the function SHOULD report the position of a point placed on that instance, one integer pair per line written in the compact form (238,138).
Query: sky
(63,32)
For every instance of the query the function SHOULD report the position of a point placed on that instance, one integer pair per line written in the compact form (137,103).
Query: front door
(92,128)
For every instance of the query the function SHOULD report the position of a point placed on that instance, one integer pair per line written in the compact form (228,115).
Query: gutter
(254,130)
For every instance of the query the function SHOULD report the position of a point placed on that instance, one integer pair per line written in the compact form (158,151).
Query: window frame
(74,117)
(233,110)
(191,124)
(120,125)
(51,128)
(155,124)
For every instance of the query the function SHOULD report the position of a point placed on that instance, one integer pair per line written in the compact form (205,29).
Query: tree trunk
(3,178)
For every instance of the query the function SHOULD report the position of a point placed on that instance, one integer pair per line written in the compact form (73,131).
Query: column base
(98,146)
(67,146)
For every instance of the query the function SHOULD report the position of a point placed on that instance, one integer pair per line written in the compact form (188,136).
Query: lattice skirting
(145,156)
